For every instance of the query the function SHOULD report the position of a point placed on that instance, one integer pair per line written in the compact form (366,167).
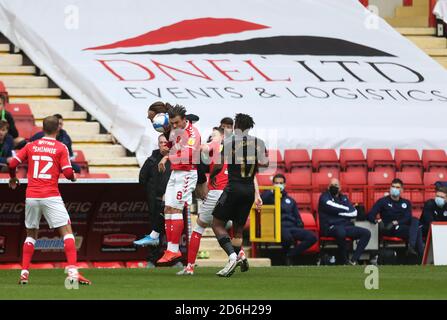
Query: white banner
(313,74)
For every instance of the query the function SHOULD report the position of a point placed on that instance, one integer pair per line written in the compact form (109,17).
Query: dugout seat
(408,160)
(21,112)
(429,182)
(379,184)
(276,161)
(297,160)
(354,185)
(299,187)
(79,159)
(325,160)
(380,160)
(264,180)
(353,160)
(434,159)
(413,189)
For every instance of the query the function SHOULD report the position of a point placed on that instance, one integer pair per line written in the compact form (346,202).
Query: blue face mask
(394,192)
(440,202)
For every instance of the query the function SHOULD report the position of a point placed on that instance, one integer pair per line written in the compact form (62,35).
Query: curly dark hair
(243,121)
(178,110)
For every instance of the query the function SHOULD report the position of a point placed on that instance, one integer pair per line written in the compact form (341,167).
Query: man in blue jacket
(434,210)
(6,146)
(292,227)
(396,219)
(336,213)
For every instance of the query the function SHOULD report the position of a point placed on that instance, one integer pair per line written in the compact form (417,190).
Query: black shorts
(235,203)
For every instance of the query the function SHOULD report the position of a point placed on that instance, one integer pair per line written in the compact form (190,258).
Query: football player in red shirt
(46,158)
(184,156)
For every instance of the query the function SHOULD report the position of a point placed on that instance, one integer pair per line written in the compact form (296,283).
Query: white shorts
(179,190)
(208,205)
(53,209)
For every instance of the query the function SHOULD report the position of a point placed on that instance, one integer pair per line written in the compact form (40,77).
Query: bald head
(334,187)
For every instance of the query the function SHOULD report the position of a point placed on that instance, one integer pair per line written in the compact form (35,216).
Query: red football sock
(168,227)
(177,230)
(70,249)
(27,253)
(194,244)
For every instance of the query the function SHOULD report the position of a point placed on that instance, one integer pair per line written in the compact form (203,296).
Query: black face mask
(333,190)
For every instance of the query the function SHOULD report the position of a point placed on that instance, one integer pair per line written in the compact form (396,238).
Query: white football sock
(154,234)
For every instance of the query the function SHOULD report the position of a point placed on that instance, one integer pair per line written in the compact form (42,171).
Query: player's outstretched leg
(173,253)
(225,242)
(27,254)
(237,246)
(193,248)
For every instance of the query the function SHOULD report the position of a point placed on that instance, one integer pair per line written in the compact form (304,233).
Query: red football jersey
(215,149)
(46,158)
(185,151)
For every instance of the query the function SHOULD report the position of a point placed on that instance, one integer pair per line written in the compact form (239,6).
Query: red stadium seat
(408,160)
(308,220)
(3,91)
(377,158)
(80,160)
(25,129)
(276,161)
(298,185)
(297,160)
(264,180)
(431,177)
(321,179)
(324,158)
(353,160)
(434,159)
(21,112)
(380,178)
(413,188)
(354,184)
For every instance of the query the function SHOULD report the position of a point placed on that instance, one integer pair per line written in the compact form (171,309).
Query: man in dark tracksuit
(155,186)
(396,219)
(434,210)
(336,212)
(292,227)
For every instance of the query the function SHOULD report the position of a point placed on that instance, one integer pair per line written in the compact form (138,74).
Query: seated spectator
(6,145)
(336,213)
(292,227)
(396,219)
(62,136)
(434,210)
(6,116)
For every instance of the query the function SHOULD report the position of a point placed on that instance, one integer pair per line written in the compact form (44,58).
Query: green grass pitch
(342,282)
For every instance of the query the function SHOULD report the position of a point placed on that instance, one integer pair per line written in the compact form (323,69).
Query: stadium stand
(414,22)
(297,160)
(31,99)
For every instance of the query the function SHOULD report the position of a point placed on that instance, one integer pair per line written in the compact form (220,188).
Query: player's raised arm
(258,199)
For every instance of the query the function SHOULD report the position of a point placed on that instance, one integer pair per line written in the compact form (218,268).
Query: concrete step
(421,21)
(442,61)
(427,42)
(208,233)
(254,262)
(11,59)
(100,150)
(46,106)
(436,52)
(24,81)
(118,161)
(412,11)
(417,31)
(81,127)
(17,70)
(4,47)
(116,172)
(35,93)
(67,115)
(91,139)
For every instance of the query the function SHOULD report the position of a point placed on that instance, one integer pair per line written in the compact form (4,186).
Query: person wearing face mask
(292,227)
(434,210)
(396,219)
(336,213)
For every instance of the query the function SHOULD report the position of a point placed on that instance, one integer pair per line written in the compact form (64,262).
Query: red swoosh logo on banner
(185,30)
